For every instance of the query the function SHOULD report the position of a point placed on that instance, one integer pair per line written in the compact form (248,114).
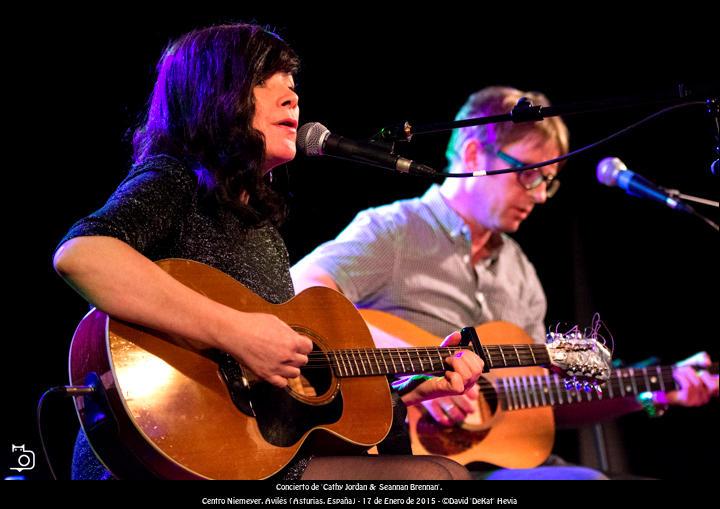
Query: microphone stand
(713,110)
(525,111)
(677,194)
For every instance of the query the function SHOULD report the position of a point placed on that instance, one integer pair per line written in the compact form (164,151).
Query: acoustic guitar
(513,424)
(161,407)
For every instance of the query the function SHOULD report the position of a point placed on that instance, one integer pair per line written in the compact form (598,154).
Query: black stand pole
(525,111)
(713,105)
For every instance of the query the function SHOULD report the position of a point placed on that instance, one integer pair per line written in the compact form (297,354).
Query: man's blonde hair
(499,100)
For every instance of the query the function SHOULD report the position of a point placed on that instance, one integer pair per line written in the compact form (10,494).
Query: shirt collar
(453,224)
(447,218)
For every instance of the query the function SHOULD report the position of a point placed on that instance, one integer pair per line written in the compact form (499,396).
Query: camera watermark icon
(25,458)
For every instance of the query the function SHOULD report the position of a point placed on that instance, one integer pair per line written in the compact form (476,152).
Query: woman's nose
(289,99)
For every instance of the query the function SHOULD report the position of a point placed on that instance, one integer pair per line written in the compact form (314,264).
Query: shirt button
(466,259)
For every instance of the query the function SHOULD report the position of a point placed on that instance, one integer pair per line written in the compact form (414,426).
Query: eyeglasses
(530,179)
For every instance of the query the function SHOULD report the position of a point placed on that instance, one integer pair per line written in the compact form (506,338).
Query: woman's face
(276,116)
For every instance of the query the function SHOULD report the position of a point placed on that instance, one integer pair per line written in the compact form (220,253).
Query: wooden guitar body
(512,439)
(166,409)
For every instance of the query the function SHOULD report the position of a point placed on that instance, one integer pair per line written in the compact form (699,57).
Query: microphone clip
(399,132)
(524,111)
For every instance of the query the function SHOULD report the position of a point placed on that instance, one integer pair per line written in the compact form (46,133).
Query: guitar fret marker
(647,380)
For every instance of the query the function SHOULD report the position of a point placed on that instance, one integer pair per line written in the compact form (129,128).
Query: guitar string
(511,351)
(533,397)
(320,361)
(424,356)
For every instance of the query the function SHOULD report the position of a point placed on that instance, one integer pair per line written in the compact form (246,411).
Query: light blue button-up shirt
(412,258)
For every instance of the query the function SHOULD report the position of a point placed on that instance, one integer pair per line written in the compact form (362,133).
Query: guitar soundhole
(444,440)
(315,378)
(312,399)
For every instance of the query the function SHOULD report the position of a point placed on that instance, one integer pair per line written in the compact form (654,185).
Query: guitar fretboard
(518,392)
(407,361)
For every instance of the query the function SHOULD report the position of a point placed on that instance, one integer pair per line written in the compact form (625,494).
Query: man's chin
(510,226)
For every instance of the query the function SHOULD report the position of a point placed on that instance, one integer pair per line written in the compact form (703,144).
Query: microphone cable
(482,173)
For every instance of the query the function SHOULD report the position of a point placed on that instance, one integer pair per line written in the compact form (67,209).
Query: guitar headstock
(585,362)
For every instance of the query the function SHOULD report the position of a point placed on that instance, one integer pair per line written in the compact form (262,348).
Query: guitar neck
(518,392)
(410,361)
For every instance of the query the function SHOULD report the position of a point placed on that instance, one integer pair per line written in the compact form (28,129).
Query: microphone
(314,139)
(611,171)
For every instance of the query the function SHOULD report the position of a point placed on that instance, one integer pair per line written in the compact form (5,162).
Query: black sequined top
(157,210)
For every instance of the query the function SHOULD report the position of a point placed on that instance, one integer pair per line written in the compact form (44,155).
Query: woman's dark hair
(202,107)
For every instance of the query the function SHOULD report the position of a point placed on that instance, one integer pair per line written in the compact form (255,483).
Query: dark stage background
(80,80)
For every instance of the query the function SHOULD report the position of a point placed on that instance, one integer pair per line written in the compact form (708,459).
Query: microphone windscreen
(608,170)
(310,137)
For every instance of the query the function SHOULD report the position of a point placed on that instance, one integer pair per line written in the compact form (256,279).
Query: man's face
(500,202)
